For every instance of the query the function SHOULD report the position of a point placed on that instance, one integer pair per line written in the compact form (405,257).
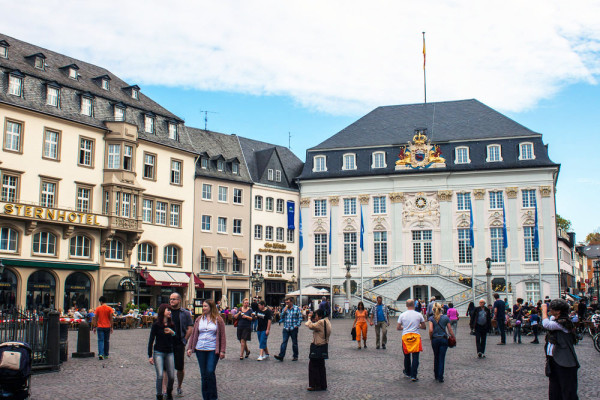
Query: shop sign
(33,286)
(275,275)
(275,248)
(50,214)
(6,285)
(126,283)
(75,287)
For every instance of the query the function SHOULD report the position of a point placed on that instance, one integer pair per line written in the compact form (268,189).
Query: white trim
(315,163)
(373,159)
(353,162)
(521,151)
(456,155)
(487,159)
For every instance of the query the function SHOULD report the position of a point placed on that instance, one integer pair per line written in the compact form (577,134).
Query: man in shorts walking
(184,325)
(409,322)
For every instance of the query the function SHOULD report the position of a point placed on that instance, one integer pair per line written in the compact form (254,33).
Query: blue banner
(330,230)
(300,228)
(536,234)
(504,235)
(291,211)
(471,235)
(362,230)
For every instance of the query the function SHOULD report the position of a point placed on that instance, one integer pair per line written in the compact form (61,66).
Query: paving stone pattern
(509,372)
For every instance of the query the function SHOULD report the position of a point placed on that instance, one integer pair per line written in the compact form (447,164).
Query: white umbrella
(308,291)
(324,291)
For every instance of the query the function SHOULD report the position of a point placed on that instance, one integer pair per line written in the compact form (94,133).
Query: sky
(269,70)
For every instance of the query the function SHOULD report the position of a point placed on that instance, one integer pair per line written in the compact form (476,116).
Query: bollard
(54,339)
(83,342)
(64,342)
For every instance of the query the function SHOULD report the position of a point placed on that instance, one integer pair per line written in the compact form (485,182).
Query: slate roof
(444,121)
(592,250)
(258,154)
(211,145)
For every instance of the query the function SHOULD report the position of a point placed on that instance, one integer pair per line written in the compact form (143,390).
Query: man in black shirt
(184,324)
(263,328)
(499,309)
(254,307)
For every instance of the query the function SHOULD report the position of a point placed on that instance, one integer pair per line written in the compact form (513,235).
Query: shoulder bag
(320,351)
(451,339)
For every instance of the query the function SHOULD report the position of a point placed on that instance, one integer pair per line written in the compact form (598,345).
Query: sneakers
(383,347)
(278,358)
(479,355)
(414,379)
(260,358)
(100,357)
(405,374)
(179,392)
(295,359)
(266,357)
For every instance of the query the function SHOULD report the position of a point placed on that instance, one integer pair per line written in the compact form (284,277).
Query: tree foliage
(593,238)
(563,223)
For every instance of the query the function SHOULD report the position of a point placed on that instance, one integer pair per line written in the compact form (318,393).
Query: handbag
(451,339)
(235,322)
(353,333)
(320,351)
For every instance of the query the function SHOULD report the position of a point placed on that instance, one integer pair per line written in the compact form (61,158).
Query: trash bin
(64,342)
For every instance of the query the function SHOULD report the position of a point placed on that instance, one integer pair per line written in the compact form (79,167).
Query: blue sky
(312,67)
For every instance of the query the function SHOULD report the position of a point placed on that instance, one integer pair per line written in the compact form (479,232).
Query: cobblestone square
(509,372)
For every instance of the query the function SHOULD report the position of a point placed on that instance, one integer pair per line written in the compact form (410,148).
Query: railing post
(54,339)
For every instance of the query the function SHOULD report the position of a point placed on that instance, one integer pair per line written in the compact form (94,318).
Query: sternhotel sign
(275,248)
(49,214)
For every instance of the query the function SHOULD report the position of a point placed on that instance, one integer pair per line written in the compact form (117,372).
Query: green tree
(563,223)
(593,238)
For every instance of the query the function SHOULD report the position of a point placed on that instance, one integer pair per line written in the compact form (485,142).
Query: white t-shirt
(410,321)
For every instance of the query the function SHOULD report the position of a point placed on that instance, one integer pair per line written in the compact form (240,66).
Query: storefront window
(77,291)
(236,298)
(8,289)
(41,291)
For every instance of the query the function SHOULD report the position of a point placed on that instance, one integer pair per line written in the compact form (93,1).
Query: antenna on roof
(206,117)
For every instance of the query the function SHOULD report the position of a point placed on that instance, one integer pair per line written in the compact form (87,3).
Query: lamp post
(292,283)
(257,281)
(348,287)
(597,277)
(1,269)
(135,272)
(488,275)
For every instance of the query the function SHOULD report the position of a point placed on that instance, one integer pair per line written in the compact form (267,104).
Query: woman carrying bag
(438,325)
(319,349)
(160,350)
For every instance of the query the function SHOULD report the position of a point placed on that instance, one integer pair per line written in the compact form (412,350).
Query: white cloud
(341,57)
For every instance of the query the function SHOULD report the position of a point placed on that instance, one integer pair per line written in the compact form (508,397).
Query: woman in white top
(208,342)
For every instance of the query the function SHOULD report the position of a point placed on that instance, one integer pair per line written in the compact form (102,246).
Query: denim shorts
(262,339)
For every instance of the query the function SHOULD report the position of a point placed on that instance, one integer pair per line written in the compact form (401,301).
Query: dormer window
(4,49)
(526,151)
(173,133)
(105,84)
(52,96)
(135,94)
(15,85)
(149,124)
(87,105)
(378,160)
(494,153)
(235,168)
(270,174)
(319,164)
(39,62)
(220,165)
(204,163)
(72,73)
(119,113)
(462,155)
(349,162)
(277,176)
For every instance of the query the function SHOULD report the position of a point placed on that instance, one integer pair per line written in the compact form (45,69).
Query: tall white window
(83,199)
(206,219)
(128,158)
(149,165)
(13,136)
(350,206)
(279,264)
(528,198)
(380,248)
(258,200)
(8,239)
(125,205)
(280,204)
(379,205)
(290,265)
(378,160)
(147,209)
(277,176)
(320,250)
(497,245)
(173,133)
(85,152)
(223,193)
(114,250)
(237,226)
(206,191)
(465,254)
(52,96)
(114,156)
(320,208)
(149,124)
(526,151)
(462,155)
(119,114)
(204,262)
(349,161)
(494,153)
(463,201)
(496,200)
(237,196)
(15,85)
(235,168)
(268,233)
(176,172)
(270,174)
(48,194)
(222,225)
(9,188)
(422,247)
(160,217)
(258,232)
(279,232)
(117,203)
(174,215)
(257,262)
(51,144)
(531,253)
(269,263)
(79,246)
(290,235)
(135,94)
(105,84)
(532,292)
(269,204)
(145,253)
(87,106)
(72,73)
(350,247)
(3,52)
(39,63)
(171,255)
(44,243)
(220,165)
(319,164)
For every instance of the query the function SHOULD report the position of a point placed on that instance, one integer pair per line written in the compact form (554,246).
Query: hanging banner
(291,211)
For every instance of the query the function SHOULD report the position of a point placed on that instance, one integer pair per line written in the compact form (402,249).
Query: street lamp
(1,269)
(257,281)
(135,272)
(488,274)
(291,285)
(348,288)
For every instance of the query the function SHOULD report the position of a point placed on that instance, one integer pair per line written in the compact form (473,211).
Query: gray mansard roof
(453,124)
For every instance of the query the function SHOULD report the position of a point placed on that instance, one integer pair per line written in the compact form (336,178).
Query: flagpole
(300,245)
(505,245)
(424,75)
(330,264)
(362,250)
(536,244)
(472,244)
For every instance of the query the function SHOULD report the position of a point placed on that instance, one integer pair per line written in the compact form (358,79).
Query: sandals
(248,354)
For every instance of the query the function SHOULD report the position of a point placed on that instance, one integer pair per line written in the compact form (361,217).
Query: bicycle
(391,312)
(596,340)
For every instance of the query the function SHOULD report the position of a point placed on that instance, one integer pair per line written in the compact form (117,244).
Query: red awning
(198,283)
(170,279)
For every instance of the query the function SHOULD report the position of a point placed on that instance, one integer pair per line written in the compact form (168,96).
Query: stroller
(15,370)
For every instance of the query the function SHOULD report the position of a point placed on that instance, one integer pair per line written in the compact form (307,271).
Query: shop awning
(167,278)
(208,252)
(224,253)
(198,284)
(239,254)
(50,264)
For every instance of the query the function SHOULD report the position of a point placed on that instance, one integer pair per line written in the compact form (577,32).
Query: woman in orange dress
(360,323)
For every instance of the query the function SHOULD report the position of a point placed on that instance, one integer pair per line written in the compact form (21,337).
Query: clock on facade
(421,202)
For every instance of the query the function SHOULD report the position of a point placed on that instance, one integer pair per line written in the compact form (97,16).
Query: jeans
(286,336)
(502,329)
(262,339)
(480,338)
(411,368)
(535,330)
(103,341)
(440,346)
(164,362)
(208,364)
(517,333)
(254,324)
(454,325)
(381,327)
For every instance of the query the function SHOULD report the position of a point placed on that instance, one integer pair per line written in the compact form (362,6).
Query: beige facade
(274,247)
(221,238)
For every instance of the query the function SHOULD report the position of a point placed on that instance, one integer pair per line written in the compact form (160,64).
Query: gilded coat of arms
(420,153)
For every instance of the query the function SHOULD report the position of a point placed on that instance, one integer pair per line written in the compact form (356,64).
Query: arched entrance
(8,289)
(41,291)
(77,291)
(421,292)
